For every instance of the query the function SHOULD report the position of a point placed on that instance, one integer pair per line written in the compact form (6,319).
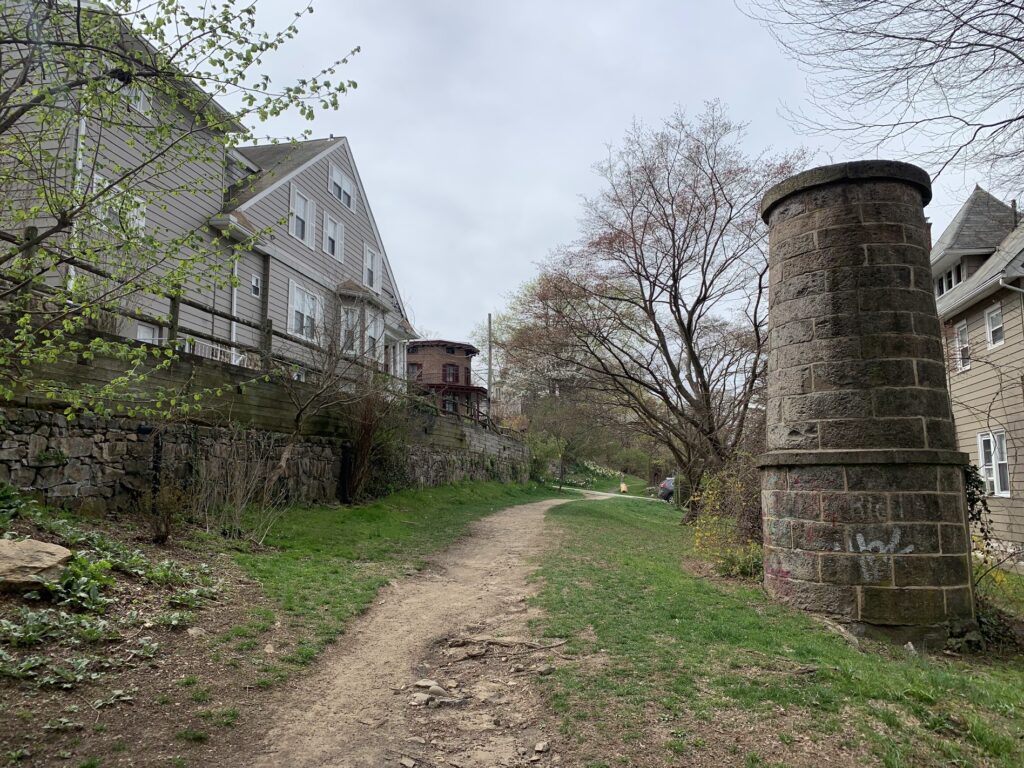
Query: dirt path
(362,708)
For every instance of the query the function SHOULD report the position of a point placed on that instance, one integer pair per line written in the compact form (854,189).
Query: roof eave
(976,294)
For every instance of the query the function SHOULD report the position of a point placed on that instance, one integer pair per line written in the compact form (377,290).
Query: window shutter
(291,305)
(291,211)
(311,225)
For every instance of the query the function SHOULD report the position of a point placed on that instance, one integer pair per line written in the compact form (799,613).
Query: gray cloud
(475,124)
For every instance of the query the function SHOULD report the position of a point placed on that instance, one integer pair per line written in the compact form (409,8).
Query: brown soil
(463,624)
(164,697)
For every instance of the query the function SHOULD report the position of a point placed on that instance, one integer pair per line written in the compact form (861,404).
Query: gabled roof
(276,162)
(980,225)
(1006,263)
(280,162)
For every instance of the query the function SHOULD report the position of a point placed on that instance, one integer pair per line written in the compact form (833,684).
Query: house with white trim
(313,252)
(317,246)
(978,279)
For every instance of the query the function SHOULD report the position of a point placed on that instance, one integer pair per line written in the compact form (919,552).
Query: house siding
(293,260)
(990,396)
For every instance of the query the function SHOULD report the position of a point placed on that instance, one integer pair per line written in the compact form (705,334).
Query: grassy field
(324,565)
(667,667)
(637,486)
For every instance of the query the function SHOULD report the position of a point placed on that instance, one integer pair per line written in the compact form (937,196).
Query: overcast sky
(476,122)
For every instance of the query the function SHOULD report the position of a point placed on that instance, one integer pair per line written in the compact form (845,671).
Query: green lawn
(664,658)
(324,565)
(637,486)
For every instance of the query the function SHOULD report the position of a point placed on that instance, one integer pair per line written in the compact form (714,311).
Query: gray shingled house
(978,274)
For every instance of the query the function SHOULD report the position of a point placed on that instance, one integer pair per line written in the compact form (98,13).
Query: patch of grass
(188,681)
(673,643)
(636,486)
(324,565)
(201,695)
(196,737)
(222,718)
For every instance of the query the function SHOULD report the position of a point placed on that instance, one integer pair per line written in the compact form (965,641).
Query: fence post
(172,331)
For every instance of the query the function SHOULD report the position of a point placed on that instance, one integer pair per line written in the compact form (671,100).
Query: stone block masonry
(863,504)
(109,463)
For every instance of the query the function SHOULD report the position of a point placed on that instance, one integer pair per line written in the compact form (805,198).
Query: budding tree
(942,79)
(109,113)
(659,307)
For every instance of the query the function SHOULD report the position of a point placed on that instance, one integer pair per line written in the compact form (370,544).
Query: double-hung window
(374,333)
(341,186)
(256,285)
(450,374)
(994,325)
(302,216)
(305,309)
(334,237)
(117,210)
(348,330)
(963,346)
(371,268)
(148,333)
(138,99)
(995,469)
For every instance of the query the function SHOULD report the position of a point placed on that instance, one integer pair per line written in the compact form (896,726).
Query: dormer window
(949,279)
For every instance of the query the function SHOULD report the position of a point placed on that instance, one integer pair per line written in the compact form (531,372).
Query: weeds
(85,590)
(716,540)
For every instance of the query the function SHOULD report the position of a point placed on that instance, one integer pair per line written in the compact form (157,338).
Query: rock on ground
(24,564)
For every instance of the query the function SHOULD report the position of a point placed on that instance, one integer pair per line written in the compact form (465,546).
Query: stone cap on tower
(860,170)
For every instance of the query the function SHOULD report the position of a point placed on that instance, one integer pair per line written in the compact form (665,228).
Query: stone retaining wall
(112,462)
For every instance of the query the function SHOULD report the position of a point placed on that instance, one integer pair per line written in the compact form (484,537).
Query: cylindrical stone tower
(863,499)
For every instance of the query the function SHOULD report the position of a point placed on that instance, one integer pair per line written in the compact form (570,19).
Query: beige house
(978,278)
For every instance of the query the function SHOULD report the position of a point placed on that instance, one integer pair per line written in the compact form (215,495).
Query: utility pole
(490,366)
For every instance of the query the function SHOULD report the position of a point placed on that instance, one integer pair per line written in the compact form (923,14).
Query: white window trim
(137,221)
(318,312)
(328,220)
(957,346)
(310,233)
(950,279)
(375,331)
(256,285)
(988,326)
(377,267)
(994,469)
(154,337)
(347,185)
(139,99)
(349,330)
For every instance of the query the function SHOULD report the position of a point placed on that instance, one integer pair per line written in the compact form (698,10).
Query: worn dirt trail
(463,623)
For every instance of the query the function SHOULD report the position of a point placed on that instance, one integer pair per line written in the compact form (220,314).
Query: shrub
(716,538)
(733,491)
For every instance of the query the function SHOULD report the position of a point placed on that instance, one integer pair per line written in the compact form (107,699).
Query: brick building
(444,369)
